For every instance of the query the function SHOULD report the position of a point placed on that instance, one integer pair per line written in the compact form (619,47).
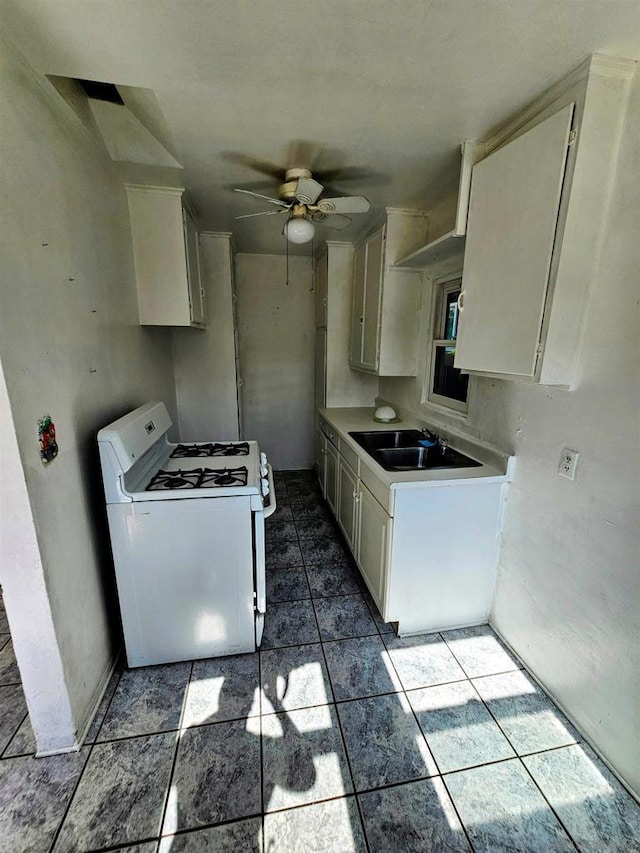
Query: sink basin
(383,439)
(422,459)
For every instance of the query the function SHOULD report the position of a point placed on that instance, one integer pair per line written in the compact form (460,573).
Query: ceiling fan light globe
(299,230)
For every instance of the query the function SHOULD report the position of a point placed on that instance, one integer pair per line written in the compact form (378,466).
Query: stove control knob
(263,471)
(263,459)
(265,486)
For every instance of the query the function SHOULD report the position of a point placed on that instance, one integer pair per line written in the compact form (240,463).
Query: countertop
(494,466)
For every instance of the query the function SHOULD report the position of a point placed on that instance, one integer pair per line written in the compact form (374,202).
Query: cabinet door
(372,293)
(347,502)
(321,282)
(357,315)
(321,461)
(196,291)
(331,477)
(373,538)
(515,196)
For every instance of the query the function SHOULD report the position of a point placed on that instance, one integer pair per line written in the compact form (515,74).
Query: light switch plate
(568,463)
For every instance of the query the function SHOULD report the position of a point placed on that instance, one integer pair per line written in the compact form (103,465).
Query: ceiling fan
(300,196)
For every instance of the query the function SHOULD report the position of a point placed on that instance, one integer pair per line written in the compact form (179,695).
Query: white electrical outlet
(568,463)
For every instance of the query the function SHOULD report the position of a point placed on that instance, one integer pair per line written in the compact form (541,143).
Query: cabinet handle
(356,498)
(461,301)
(362,319)
(202,292)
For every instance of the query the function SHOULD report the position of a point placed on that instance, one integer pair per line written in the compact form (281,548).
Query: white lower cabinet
(373,545)
(331,477)
(348,499)
(321,460)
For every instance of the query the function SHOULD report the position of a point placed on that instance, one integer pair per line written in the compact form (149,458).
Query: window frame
(441,289)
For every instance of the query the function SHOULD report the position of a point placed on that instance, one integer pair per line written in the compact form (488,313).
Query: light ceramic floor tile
(384,742)
(458,728)
(422,661)
(9,672)
(303,758)
(329,827)
(360,667)
(216,776)
(121,794)
(287,585)
(146,700)
(479,651)
(326,581)
(596,810)
(221,689)
(413,818)
(343,616)
(503,810)
(23,742)
(100,714)
(283,555)
(13,709)
(146,847)
(34,794)
(528,717)
(289,623)
(294,677)
(243,836)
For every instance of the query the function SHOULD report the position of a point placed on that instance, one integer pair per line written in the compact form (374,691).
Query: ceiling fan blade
(266,197)
(337,221)
(262,213)
(252,163)
(308,190)
(345,204)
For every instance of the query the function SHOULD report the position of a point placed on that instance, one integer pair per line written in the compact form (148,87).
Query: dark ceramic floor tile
(13,709)
(5,639)
(289,623)
(121,794)
(146,700)
(224,688)
(279,532)
(34,795)
(360,667)
(326,581)
(343,616)
(4,622)
(216,776)
(479,652)
(9,672)
(100,714)
(502,810)
(284,555)
(307,504)
(282,513)
(324,552)
(303,758)
(302,490)
(311,509)
(383,627)
(23,742)
(287,585)
(384,742)
(594,807)
(528,718)
(458,728)
(310,528)
(243,836)
(417,817)
(330,827)
(294,678)
(422,661)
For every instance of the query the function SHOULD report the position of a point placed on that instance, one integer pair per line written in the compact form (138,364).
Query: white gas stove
(187,534)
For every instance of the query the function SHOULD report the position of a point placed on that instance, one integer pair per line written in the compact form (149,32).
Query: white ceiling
(387,86)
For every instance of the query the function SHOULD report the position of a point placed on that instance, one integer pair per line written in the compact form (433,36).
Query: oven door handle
(272,494)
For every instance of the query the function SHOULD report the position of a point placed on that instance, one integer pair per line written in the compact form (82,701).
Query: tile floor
(338,736)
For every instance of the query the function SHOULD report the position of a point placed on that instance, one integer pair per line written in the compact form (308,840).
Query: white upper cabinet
(536,222)
(166,257)
(387,300)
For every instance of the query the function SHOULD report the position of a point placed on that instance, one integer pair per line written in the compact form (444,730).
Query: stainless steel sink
(422,459)
(400,450)
(385,439)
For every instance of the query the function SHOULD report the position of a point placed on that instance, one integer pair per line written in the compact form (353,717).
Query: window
(447,386)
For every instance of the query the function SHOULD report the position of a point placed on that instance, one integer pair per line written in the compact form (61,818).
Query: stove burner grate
(237,448)
(224,477)
(198,478)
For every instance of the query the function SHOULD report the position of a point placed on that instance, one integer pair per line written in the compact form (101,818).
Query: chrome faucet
(440,440)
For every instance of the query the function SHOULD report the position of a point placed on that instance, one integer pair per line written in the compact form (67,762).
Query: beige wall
(70,347)
(277,340)
(568,595)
